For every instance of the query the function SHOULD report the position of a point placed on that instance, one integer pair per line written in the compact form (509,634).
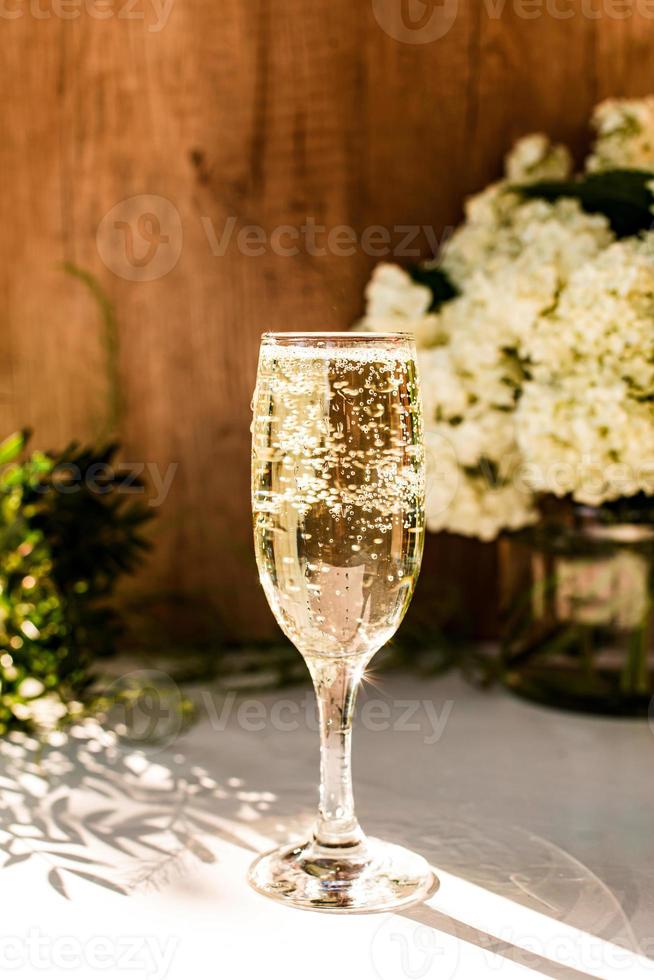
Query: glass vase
(577,612)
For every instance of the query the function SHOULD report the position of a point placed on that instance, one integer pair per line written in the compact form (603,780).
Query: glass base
(371,877)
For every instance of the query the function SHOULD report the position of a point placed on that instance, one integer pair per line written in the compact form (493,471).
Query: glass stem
(336,681)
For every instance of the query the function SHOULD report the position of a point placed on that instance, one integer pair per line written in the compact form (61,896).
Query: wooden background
(270,112)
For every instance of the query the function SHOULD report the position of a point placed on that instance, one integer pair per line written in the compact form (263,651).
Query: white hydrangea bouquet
(535,330)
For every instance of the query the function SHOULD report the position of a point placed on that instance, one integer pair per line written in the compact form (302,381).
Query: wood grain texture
(271,114)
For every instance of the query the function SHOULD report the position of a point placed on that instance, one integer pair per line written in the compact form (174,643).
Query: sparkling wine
(338,489)
(338,502)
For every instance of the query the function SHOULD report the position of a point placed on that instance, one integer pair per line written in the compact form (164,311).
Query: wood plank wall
(214,116)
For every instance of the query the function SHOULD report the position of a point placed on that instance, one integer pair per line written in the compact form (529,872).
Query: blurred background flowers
(538,374)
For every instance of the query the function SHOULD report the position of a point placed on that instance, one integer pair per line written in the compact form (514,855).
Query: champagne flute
(338,487)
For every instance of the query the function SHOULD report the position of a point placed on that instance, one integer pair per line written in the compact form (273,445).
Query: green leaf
(12,446)
(442,287)
(623,196)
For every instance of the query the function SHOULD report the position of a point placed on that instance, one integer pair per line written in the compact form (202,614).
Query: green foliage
(624,196)
(66,534)
(439,282)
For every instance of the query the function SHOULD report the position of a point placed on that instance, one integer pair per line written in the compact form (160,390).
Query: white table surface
(130,861)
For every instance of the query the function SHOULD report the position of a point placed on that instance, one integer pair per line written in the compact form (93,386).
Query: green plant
(66,535)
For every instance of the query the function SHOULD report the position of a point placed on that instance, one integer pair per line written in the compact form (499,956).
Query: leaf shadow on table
(87,806)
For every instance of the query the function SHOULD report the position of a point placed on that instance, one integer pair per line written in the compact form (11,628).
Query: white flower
(392,293)
(532,233)
(535,157)
(482,235)
(539,375)
(471,505)
(625,135)
(592,441)
(443,393)
(585,423)
(396,302)
(603,323)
